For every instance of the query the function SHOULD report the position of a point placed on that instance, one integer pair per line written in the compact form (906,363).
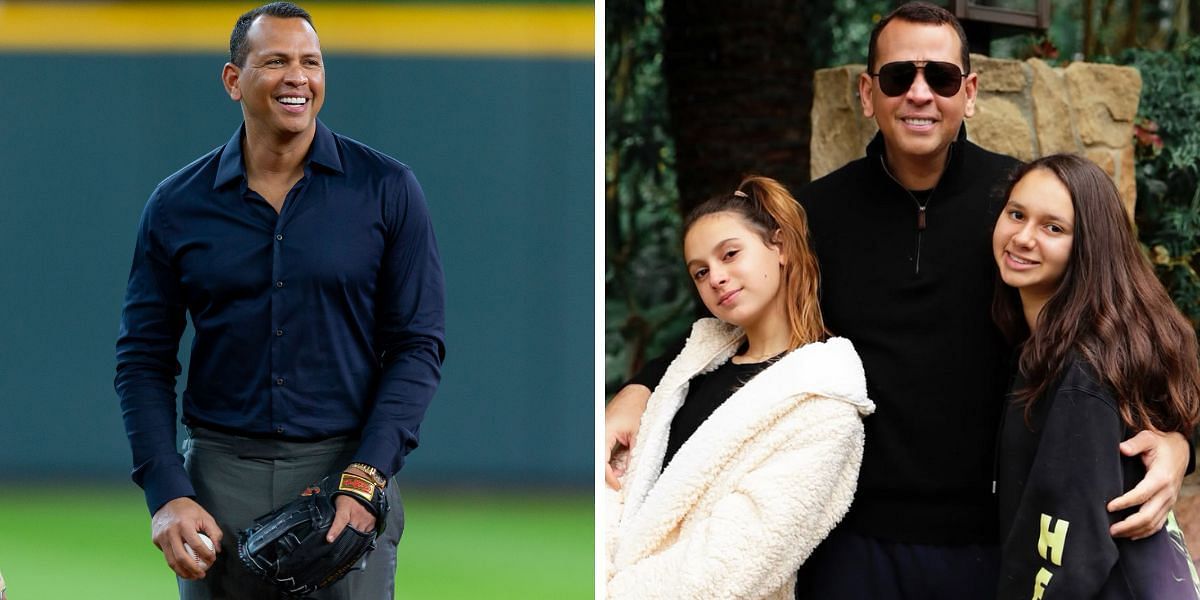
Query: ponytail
(767,207)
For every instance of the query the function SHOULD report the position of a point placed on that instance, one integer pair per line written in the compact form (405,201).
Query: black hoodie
(1056,473)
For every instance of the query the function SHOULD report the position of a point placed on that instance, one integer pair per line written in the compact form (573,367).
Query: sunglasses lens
(895,78)
(943,78)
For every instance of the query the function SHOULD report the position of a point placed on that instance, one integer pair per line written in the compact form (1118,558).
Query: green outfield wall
(501,140)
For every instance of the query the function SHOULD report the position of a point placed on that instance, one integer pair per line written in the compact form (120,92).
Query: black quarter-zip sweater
(913,292)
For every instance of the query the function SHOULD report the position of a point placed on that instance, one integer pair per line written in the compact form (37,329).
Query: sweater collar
(876,150)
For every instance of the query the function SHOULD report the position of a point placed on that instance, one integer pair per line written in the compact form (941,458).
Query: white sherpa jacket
(751,493)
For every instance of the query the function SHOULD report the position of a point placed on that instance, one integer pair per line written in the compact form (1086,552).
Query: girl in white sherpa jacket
(749,449)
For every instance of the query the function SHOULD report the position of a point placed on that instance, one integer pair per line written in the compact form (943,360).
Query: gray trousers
(239,479)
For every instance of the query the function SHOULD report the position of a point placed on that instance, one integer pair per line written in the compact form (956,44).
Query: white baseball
(192,553)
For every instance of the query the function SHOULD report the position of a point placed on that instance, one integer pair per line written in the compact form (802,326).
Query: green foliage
(1168,172)
(648,302)
(842,33)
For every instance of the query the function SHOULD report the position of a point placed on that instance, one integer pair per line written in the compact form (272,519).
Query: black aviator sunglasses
(943,78)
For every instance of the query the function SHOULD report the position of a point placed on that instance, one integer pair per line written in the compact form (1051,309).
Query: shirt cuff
(164,484)
(385,459)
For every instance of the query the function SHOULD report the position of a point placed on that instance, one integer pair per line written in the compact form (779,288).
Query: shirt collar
(323,152)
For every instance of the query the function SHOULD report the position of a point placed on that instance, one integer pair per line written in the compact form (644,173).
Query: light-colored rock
(1127,178)
(1119,166)
(840,132)
(1104,158)
(1104,101)
(998,75)
(999,126)
(1052,121)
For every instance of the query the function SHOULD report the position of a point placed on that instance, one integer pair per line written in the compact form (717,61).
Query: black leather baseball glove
(287,546)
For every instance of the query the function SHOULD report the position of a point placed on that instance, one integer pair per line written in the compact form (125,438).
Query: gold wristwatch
(376,476)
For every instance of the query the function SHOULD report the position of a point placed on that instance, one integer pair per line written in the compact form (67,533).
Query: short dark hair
(920,12)
(237,40)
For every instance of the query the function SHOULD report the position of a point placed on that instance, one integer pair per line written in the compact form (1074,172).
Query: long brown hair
(769,209)
(1110,309)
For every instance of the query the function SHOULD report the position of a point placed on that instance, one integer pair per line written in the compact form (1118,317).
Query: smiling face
(1034,234)
(917,125)
(737,275)
(282,85)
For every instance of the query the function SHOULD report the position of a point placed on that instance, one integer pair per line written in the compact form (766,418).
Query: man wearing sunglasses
(903,239)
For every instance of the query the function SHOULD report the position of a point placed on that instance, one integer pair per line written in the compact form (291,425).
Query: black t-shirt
(705,393)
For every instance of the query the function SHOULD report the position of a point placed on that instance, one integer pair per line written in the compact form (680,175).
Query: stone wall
(1024,109)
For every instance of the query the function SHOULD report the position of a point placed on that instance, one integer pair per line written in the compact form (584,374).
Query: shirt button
(279,381)
(279,237)
(278,333)
(278,284)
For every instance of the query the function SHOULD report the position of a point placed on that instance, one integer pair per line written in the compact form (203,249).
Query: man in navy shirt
(309,267)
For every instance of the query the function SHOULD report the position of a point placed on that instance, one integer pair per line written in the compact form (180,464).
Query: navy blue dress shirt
(324,320)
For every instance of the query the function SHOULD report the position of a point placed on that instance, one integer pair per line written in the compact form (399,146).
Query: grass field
(64,543)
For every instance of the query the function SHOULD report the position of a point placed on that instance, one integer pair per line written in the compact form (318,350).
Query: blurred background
(491,104)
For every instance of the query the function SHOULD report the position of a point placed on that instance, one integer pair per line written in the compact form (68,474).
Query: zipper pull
(920,218)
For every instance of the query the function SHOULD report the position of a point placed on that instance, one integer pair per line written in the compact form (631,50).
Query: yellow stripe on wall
(422,29)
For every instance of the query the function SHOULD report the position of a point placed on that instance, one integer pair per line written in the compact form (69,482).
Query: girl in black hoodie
(1103,353)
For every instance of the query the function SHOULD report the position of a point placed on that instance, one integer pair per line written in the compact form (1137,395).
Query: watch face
(372,472)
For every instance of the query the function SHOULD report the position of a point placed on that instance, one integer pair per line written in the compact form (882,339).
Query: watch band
(379,479)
